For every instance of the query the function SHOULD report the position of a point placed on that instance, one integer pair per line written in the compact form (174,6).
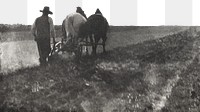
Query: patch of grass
(131,78)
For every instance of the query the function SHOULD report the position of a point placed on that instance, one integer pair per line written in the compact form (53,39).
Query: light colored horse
(71,26)
(70,29)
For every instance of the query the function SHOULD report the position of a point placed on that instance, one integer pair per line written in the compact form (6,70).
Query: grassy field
(18,54)
(160,74)
(113,32)
(19,48)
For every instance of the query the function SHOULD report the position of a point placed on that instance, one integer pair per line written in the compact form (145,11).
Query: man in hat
(80,11)
(43,31)
(98,12)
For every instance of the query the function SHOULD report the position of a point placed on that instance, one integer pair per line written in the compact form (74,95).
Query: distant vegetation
(26,28)
(18,32)
(3,28)
(21,27)
(15,27)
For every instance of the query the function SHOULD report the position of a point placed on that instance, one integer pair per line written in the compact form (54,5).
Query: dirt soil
(159,75)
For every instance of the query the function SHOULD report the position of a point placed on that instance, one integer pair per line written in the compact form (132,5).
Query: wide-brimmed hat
(46,9)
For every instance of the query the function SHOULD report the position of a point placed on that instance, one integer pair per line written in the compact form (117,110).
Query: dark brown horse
(96,28)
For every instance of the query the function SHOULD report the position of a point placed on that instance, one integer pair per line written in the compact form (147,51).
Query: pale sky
(13,11)
(65,7)
(62,8)
(34,7)
(121,12)
(196,12)
(151,16)
(179,12)
(90,6)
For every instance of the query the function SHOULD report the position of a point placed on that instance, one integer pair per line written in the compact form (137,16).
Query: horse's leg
(91,39)
(96,38)
(94,48)
(104,43)
(92,42)
(61,46)
(81,50)
(87,52)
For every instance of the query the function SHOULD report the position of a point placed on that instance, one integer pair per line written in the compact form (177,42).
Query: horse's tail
(64,30)
(107,24)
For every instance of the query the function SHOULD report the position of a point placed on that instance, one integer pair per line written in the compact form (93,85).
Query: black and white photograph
(99,55)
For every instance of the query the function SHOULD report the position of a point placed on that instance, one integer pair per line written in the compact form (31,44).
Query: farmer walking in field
(43,31)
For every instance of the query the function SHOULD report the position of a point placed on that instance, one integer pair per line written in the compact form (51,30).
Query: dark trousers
(44,49)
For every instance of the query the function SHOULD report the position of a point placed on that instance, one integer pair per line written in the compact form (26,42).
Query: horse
(70,29)
(96,28)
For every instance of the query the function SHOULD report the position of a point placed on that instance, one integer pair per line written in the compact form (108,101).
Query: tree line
(16,27)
